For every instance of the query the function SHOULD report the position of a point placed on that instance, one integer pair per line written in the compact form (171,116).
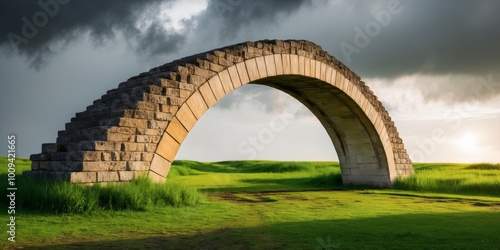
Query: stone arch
(137,128)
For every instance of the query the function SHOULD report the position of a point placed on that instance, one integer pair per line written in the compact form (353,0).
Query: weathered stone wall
(137,128)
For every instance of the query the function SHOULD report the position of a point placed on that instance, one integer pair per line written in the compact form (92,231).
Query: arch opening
(257,122)
(139,127)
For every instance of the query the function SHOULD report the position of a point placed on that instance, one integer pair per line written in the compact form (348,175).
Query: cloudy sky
(434,64)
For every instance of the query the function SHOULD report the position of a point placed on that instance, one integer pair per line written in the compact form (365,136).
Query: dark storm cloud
(37,29)
(459,40)
(430,37)
(423,37)
(235,16)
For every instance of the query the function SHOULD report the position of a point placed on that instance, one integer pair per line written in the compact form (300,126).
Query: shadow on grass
(439,198)
(473,230)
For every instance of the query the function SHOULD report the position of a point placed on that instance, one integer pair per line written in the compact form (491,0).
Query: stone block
(120,137)
(307,67)
(363,147)
(186,86)
(161,116)
(225,63)
(171,92)
(183,94)
(160,165)
(147,157)
(203,72)
(294,64)
(196,80)
(216,87)
(279,64)
(147,138)
(329,74)
(40,157)
(270,65)
(317,69)
(157,124)
(108,176)
(197,104)
(134,123)
(235,77)
(369,166)
(168,83)
(242,72)
(137,165)
(207,94)
(176,101)
(168,147)
(125,175)
(120,130)
(104,146)
(90,155)
(261,66)
(130,146)
(106,156)
(186,117)
(177,131)
(323,71)
(285,58)
(83,177)
(146,131)
(149,147)
(155,98)
(59,166)
(301,65)
(91,166)
(226,81)
(130,156)
(50,147)
(216,67)
(252,70)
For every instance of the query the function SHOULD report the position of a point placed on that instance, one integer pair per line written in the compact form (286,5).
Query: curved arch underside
(137,128)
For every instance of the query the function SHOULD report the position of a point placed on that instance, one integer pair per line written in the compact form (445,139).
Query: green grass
(243,176)
(62,197)
(139,195)
(470,179)
(273,205)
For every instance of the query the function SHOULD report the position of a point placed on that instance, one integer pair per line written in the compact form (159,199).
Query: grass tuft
(139,195)
(453,178)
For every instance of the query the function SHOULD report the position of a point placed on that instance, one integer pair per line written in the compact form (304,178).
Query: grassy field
(282,205)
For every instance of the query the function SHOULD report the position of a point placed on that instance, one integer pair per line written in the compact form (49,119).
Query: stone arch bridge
(137,128)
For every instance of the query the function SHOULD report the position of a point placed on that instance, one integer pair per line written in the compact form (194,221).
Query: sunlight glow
(468,142)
